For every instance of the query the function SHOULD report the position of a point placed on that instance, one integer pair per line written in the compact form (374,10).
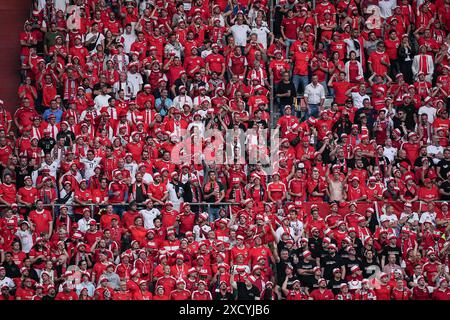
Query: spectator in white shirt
(125,85)
(428,109)
(94,37)
(127,38)
(182,99)
(389,151)
(390,216)
(408,216)
(102,99)
(135,78)
(262,32)
(428,216)
(4,280)
(386,8)
(25,236)
(240,31)
(358,97)
(83,223)
(435,150)
(314,97)
(149,214)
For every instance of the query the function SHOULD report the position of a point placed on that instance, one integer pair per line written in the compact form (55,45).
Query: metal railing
(272,4)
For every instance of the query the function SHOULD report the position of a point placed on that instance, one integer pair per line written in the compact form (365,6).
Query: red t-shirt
(325,295)
(289,26)
(215,62)
(391,48)
(41,220)
(8,192)
(180,295)
(375,59)
(277,190)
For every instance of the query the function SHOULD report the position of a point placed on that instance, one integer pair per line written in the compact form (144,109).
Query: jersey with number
(89,166)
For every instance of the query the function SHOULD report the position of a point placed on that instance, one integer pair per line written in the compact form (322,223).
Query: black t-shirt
(12,270)
(314,284)
(410,125)
(418,161)
(410,111)
(99,85)
(305,279)
(388,250)
(397,161)
(381,162)
(263,123)
(226,296)
(350,263)
(212,199)
(369,268)
(67,135)
(284,88)
(358,245)
(281,271)
(329,263)
(445,186)
(46,144)
(245,293)
(21,173)
(315,246)
(177,84)
(290,281)
(140,192)
(444,166)
(335,285)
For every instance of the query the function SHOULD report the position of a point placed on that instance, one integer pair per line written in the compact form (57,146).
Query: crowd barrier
(324,207)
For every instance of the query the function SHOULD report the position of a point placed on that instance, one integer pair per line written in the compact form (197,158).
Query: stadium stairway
(13,14)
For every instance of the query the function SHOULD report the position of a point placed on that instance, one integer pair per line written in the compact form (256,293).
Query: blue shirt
(57,113)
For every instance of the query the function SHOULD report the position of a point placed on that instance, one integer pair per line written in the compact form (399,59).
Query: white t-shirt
(128,40)
(180,101)
(101,101)
(358,99)
(133,168)
(126,86)
(240,33)
(390,153)
(136,80)
(314,94)
(173,196)
(433,150)
(205,53)
(7,281)
(26,239)
(148,216)
(199,236)
(53,167)
(428,217)
(430,111)
(386,7)
(83,225)
(262,33)
(390,218)
(89,166)
(147,178)
(412,219)
(61,5)
(91,36)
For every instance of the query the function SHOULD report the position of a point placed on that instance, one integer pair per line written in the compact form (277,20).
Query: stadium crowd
(95,207)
